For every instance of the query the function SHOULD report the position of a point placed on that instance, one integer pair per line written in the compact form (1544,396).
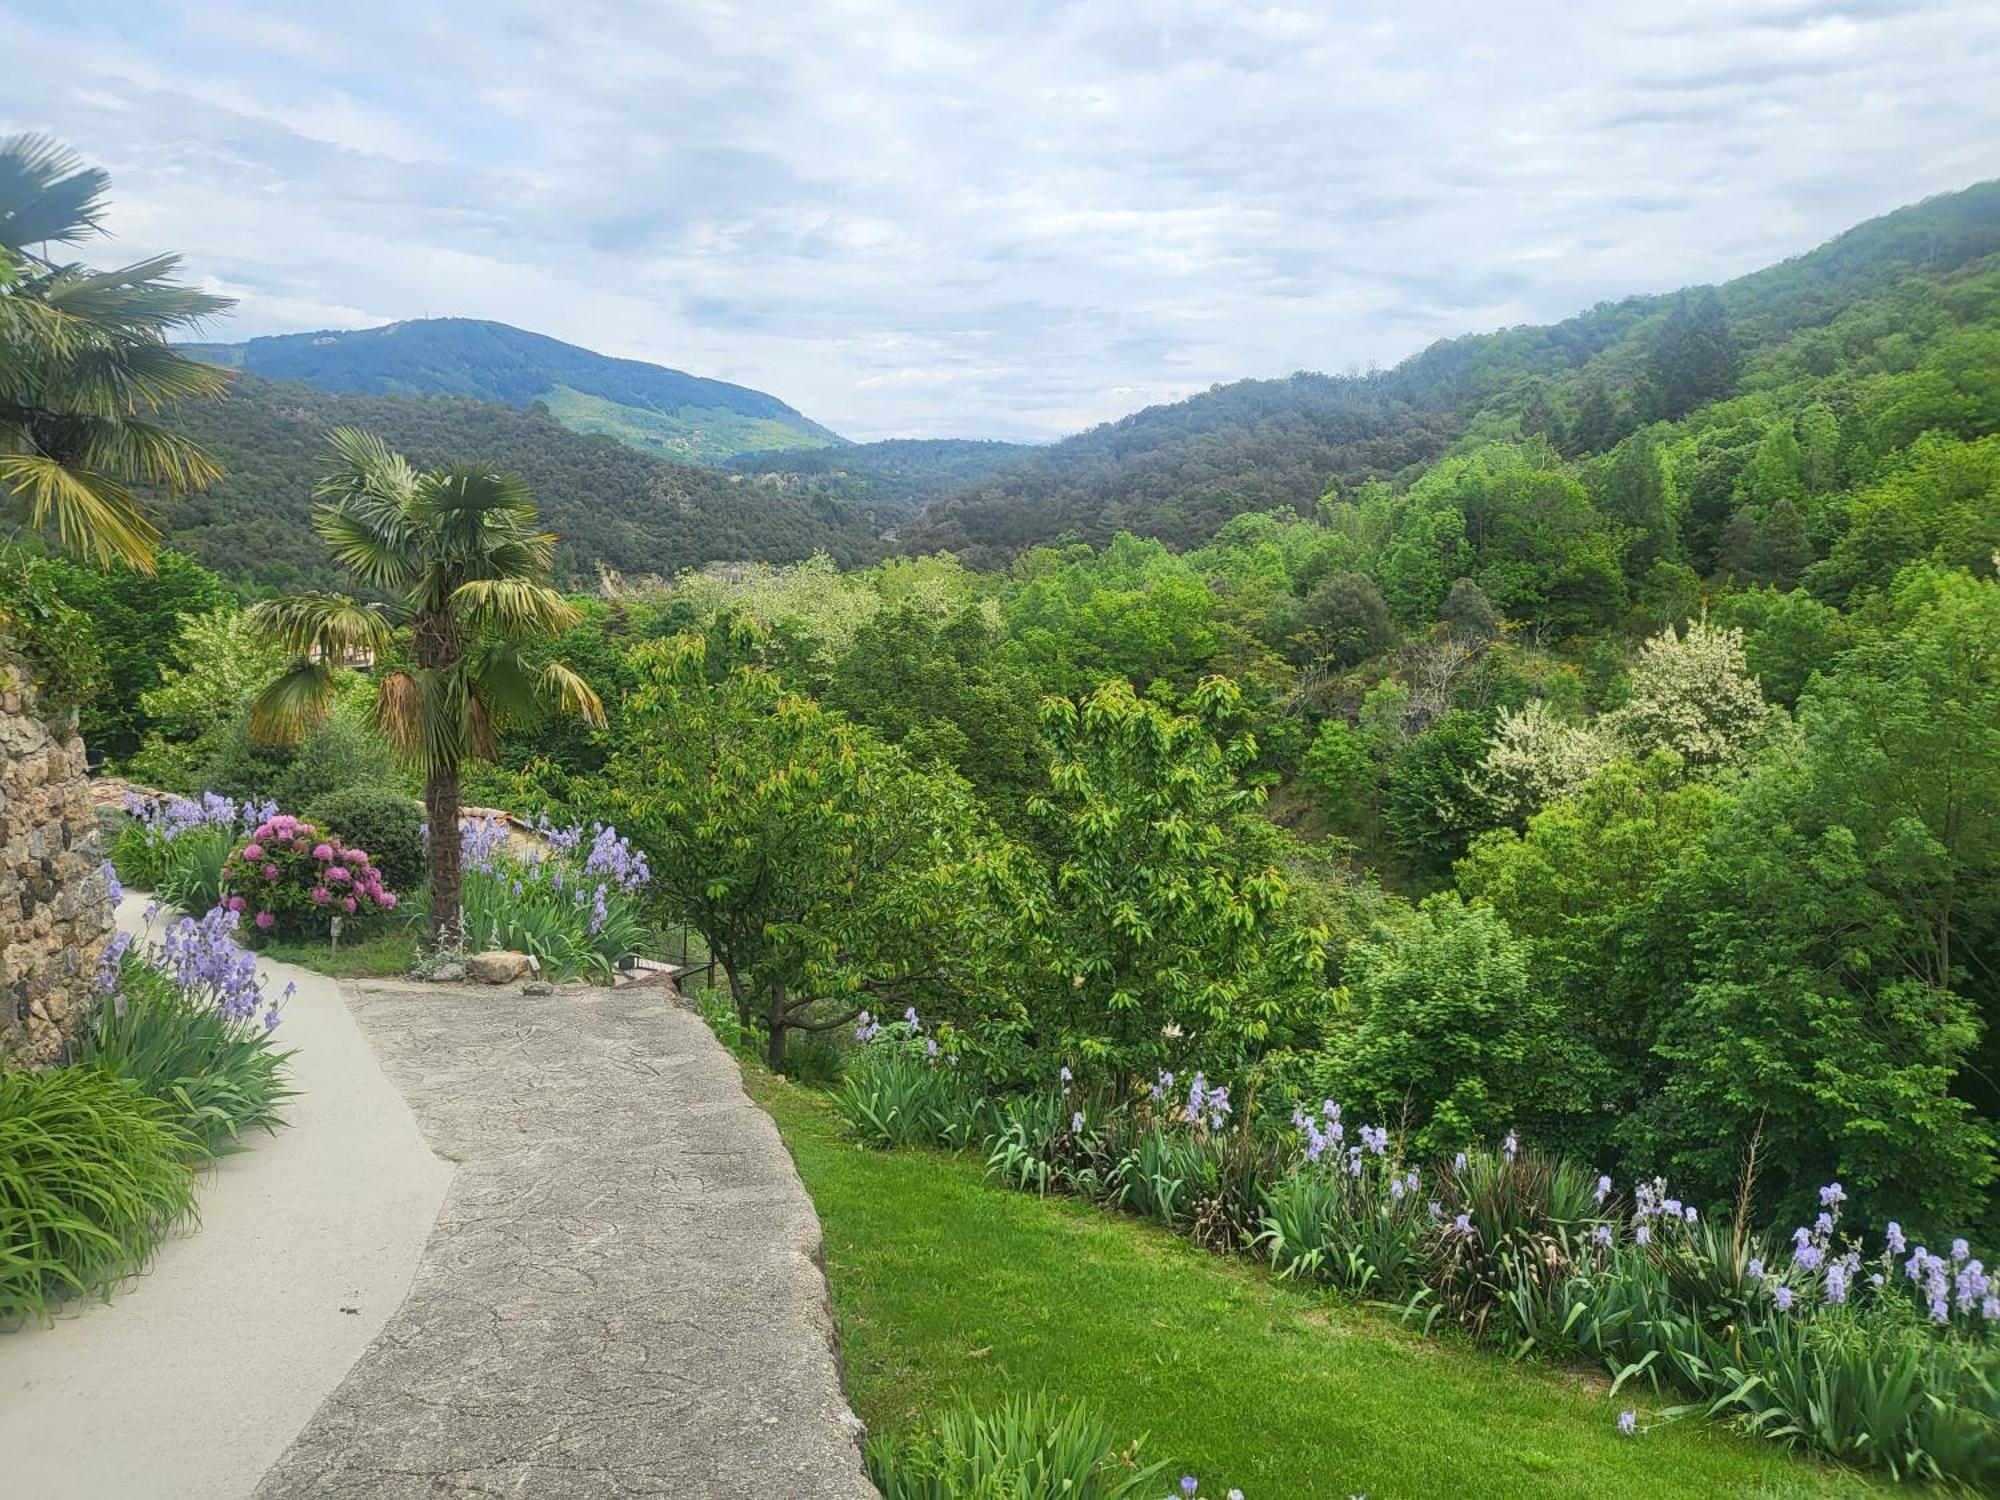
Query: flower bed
(575,906)
(1872,1350)
(289,879)
(177,846)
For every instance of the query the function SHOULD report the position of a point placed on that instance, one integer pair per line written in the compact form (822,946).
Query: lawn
(944,1283)
(377,955)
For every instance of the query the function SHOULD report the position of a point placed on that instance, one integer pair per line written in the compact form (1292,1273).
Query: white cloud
(929,217)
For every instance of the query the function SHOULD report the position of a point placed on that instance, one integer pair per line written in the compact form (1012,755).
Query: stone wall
(55,903)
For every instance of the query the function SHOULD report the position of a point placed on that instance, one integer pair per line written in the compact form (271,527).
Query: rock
(538,987)
(445,973)
(498,967)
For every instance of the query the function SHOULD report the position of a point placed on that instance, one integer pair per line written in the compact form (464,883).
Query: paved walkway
(192,1381)
(578,1262)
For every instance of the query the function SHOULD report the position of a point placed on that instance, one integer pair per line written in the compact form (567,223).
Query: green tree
(825,873)
(1637,492)
(458,556)
(1345,619)
(1432,801)
(1692,358)
(85,366)
(1445,1027)
(1169,934)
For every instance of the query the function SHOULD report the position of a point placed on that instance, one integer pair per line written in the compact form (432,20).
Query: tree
(1346,620)
(85,367)
(1432,803)
(1168,934)
(1692,694)
(1638,494)
(457,553)
(824,872)
(1535,758)
(1446,1028)
(1692,358)
(1468,614)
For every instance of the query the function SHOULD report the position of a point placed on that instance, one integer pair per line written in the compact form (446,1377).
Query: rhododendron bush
(289,878)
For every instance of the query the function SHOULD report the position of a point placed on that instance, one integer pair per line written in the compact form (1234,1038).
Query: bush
(289,879)
(93,1173)
(387,824)
(1028,1449)
(218,1076)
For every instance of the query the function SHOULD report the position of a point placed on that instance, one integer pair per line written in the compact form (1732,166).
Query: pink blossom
(356,856)
(265,919)
(270,872)
(338,873)
(388,900)
(227,871)
(347,903)
(321,895)
(236,903)
(253,850)
(322,852)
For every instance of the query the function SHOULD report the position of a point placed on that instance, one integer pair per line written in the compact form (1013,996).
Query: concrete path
(623,1295)
(192,1381)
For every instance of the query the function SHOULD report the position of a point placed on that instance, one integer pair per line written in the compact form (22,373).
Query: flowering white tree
(1692,694)
(1535,758)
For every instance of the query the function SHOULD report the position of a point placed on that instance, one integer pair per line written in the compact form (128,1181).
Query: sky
(1016,218)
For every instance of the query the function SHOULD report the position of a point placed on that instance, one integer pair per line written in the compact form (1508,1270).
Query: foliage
(823,871)
(85,366)
(1535,758)
(56,640)
(1166,910)
(217,661)
(177,846)
(1027,1448)
(1692,694)
(574,905)
(93,1174)
(389,825)
(218,1075)
(1431,801)
(1445,1028)
(289,878)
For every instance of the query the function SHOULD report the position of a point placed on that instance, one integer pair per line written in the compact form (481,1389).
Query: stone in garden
(538,987)
(447,973)
(498,967)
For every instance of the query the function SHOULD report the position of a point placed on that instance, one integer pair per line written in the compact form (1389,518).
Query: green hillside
(611,504)
(645,406)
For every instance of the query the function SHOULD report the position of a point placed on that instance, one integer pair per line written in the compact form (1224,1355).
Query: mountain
(1179,471)
(610,504)
(897,474)
(648,407)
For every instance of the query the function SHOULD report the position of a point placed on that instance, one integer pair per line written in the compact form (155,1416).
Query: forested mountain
(1178,471)
(611,504)
(902,474)
(645,406)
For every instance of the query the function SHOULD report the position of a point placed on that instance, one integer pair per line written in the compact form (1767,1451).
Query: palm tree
(85,366)
(457,556)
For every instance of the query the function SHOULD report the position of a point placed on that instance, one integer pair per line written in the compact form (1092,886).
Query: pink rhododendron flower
(322,852)
(265,919)
(388,899)
(356,856)
(338,873)
(321,895)
(236,903)
(347,903)
(270,872)
(253,851)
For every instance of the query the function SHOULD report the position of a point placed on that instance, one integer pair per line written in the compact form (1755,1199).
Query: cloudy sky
(1012,218)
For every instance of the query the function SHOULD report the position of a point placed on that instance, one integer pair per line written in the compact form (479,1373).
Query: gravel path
(622,1295)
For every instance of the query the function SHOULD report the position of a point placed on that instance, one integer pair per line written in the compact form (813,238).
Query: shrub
(387,824)
(574,907)
(1027,1449)
(217,1074)
(93,1172)
(288,878)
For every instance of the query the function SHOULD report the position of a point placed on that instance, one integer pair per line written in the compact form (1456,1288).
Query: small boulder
(497,967)
(538,987)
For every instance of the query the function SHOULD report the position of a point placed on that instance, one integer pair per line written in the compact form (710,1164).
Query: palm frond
(502,681)
(466,494)
(93,514)
(125,377)
(47,193)
(129,447)
(368,537)
(326,628)
(293,703)
(514,607)
(363,466)
(399,711)
(567,690)
(135,301)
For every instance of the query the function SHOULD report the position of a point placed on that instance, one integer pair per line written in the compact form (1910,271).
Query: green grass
(378,955)
(945,1284)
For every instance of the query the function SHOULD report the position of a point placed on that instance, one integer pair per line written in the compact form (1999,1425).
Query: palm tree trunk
(447,876)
